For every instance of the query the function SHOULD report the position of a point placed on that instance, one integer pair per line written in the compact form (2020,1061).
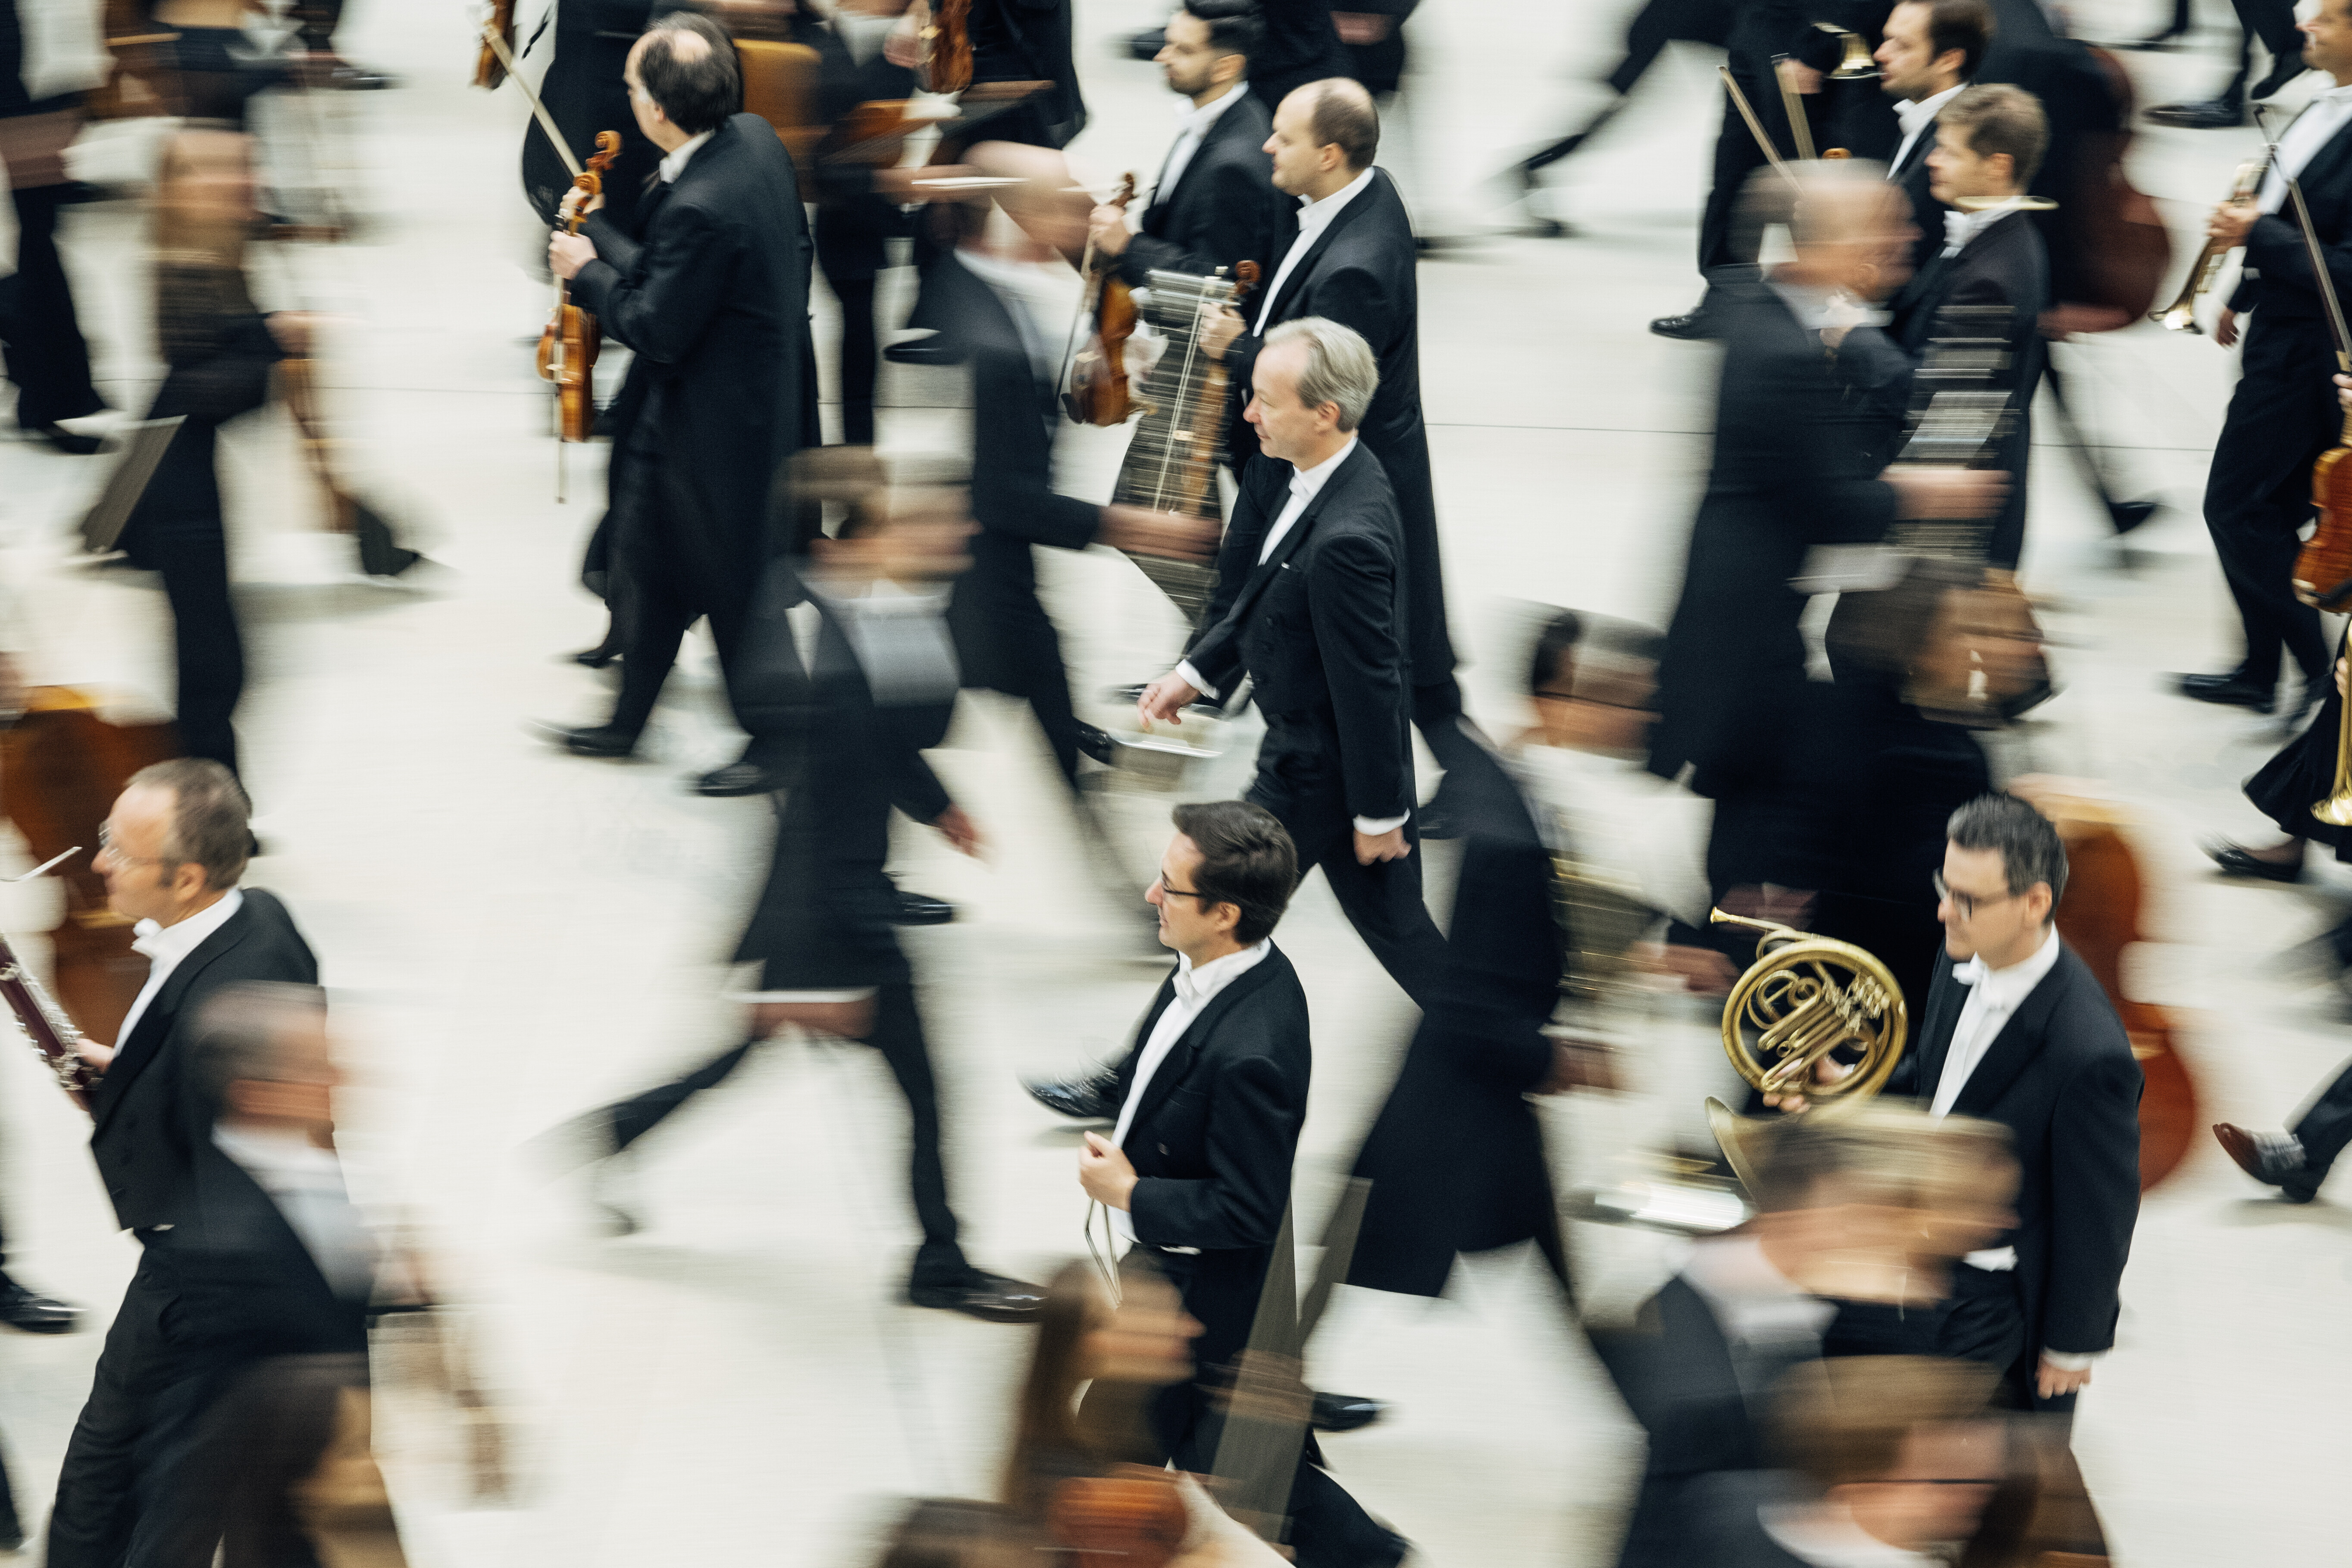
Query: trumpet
(2180,316)
(1857,65)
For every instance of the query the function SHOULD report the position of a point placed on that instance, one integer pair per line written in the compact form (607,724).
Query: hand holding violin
(1222,329)
(568,253)
(1107,230)
(570,207)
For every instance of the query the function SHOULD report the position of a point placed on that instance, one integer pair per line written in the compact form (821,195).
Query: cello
(568,344)
(1098,392)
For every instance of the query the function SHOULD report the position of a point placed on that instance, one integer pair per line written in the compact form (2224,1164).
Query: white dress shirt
(1305,484)
(1314,217)
(1825,1536)
(306,1183)
(1192,130)
(1915,117)
(1994,995)
(1753,1302)
(2312,129)
(675,164)
(1960,228)
(164,946)
(1194,990)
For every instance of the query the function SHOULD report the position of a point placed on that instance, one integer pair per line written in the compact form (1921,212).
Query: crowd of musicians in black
(1885,1357)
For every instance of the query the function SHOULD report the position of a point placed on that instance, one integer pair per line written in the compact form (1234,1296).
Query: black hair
(1966,26)
(1247,860)
(1234,26)
(2030,848)
(697,94)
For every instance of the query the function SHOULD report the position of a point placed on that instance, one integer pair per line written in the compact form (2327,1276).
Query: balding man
(1351,261)
(172,851)
(713,295)
(1313,582)
(1794,468)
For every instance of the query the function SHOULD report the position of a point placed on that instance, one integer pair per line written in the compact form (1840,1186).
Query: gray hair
(212,820)
(241,1029)
(1341,366)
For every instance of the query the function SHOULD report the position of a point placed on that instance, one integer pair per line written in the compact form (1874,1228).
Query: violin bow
(546,120)
(2319,274)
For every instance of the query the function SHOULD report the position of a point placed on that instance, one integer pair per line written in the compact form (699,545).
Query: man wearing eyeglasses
(2017,1030)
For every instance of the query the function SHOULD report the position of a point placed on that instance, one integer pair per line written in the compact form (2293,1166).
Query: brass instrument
(1857,65)
(2180,316)
(2336,807)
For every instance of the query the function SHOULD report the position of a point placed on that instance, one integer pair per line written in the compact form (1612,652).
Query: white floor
(514,935)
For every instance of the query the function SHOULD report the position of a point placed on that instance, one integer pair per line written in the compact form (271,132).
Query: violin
(568,344)
(1098,393)
(1131,1518)
(947,48)
(490,67)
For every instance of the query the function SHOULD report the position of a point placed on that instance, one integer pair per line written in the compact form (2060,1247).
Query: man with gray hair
(1314,578)
(172,851)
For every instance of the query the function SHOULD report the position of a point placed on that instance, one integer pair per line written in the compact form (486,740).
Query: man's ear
(1227,915)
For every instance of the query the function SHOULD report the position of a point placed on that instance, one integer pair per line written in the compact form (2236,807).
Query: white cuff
(858,993)
(1374,826)
(2072,1361)
(1192,678)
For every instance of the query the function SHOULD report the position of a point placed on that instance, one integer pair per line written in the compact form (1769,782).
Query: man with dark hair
(1352,262)
(1931,52)
(1214,204)
(2283,414)
(172,851)
(2017,1030)
(1211,1096)
(714,295)
(1311,593)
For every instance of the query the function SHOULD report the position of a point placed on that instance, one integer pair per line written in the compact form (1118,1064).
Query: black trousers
(177,531)
(1721,242)
(861,357)
(2281,416)
(45,355)
(1299,780)
(1023,659)
(898,1033)
(2273,21)
(2323,1130)
(118,1462)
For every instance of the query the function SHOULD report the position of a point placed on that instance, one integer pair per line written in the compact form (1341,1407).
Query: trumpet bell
(2336,811)
(1857,65)
(2180,316)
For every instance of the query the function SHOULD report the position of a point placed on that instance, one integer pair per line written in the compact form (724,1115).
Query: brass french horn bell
(1857,64)
(1803,999)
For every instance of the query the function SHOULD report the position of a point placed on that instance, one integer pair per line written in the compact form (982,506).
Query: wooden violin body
(489,69)
(569,343)
(947,48)
(1132,1518)
(2323,567)
(1098,390)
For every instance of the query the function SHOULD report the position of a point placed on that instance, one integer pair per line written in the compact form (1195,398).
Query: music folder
(142,448)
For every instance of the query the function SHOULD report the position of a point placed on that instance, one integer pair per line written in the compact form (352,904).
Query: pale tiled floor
(512,935)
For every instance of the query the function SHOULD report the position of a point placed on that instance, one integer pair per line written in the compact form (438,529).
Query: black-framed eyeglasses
(1180,892)
(106,848)
(1968,904)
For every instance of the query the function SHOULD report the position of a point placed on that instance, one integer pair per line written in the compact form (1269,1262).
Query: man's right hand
(2225,328)
(97,1055)
(848,1020)
(1928,490)
(1164,700)
(1224,326)
(1168,533)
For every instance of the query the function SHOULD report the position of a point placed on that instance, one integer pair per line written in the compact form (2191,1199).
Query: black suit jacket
(243,1283)
(2278,280)
(1012,496)
(149,1118)
(1029,40)
(2061,1077)
(1213,1140)
(1796,455)
(1456,1158)
(1320,626)
(1359,272)
(715,298)
(826,918)
(1302,44)
(1911,172)
(2086,119)
(1221,211)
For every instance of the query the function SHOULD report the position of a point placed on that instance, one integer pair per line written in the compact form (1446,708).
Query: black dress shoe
(358,78)
(601,741)
(1096,742)
(2161,41)
(31,1313)
(2282,76)
(737,778)
(1345,1411)
(2270,1158)
(933,349)
(1079,1098)
(2235,862)
(2229,690)
(2211,114)
(1697,327)
(2125,515)
(598,657)
(64,440)
(1146,45)
(922,910)
(991,1298)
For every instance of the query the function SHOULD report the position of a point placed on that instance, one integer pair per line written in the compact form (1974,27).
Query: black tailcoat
(1222,209)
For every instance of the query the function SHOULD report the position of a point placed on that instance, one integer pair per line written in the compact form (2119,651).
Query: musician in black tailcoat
(1214,204)
(1314,576)
(173,847)
(848,672)
(714,295)
(1352,260)
(1211,1096)
(1796,465)
(2283,414)
(2017,1030)
(1005,641)
(1989,280)
(1931,51)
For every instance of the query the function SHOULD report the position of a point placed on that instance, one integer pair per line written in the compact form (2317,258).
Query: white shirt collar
(1197,120)
(1915,116)
(1315,216)
(1307,483)
(2005,988)
(1196,988)
(1960,228)
(165,946)
(675,164)
(1825,1536)
(1751,1299)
